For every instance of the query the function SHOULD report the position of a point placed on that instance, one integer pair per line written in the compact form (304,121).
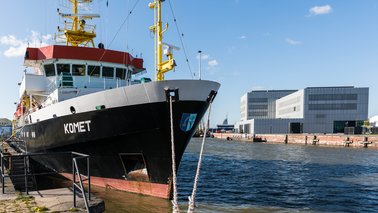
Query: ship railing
(87,27)
(79,184)
(89,82)
(6,166)
(103,83)
(97,82)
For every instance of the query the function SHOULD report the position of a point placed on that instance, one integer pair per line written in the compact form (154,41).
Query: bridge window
(49,70)
(120,73)
(62,68)
(78,69)
(108,72)
(94,71)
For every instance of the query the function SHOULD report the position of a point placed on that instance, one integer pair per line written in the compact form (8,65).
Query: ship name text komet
(77,127)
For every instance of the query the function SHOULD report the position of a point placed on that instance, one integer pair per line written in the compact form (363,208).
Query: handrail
(75,157)
(76,172)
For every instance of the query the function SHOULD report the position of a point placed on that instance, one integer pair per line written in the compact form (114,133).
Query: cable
(123,23)
(181,36)
(116,34)
(192,197)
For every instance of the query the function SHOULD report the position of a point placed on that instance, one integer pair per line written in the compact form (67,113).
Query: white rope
(191,198)
(175,207)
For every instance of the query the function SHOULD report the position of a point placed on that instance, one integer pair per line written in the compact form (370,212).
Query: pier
(357,141)
(20,189)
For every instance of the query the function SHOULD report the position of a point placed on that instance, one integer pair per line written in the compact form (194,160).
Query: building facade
(312,110)
(260,104)
(5,127)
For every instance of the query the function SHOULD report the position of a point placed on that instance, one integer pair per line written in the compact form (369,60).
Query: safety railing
(77,184)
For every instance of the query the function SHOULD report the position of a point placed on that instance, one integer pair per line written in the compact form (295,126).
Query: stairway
(17,174)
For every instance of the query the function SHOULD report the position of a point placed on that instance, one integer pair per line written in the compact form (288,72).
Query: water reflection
(259,177)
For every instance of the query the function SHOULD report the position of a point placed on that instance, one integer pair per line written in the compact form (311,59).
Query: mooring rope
(175,207)
(191,198)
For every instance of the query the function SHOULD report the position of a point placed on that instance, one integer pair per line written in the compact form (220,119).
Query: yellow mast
(161,66)
(77,32)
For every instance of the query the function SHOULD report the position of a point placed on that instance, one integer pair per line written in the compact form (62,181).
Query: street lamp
(199,59)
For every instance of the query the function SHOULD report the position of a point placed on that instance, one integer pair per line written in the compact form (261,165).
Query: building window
(257,113)
(49,70)
(332,97)
(108,72)
(258,100)
(320,116)
(348,106)
(78,69)
(62,68)
(253,106)
(94,71)
(120,73)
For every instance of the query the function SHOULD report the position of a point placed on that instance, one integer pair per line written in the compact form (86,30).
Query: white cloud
(203,56)
(47,37)
(243,37)
(15,51)
(292,42)
(10,40)
(320,10)
(16,47)
(213,63)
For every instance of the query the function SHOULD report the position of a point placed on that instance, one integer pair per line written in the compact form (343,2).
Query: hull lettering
(77,127)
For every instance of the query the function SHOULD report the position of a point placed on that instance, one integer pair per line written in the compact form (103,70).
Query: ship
(83,98)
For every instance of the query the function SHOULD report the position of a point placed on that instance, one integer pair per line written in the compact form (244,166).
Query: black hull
(117,138)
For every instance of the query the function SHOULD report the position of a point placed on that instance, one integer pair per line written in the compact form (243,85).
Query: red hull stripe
(82,53)
(151,189)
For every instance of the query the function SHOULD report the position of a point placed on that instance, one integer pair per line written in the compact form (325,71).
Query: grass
(40,209)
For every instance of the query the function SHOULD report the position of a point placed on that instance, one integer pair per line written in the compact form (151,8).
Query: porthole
(73,110)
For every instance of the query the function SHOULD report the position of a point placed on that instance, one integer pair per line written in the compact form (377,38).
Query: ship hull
(129,146)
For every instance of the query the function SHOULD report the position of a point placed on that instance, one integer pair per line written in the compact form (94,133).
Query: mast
(76,32)
(161,66)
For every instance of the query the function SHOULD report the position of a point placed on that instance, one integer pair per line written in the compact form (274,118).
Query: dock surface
(49,200)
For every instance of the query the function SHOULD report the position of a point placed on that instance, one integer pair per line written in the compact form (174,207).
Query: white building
(5,127)
(260,103)
(374,121)
(310,110)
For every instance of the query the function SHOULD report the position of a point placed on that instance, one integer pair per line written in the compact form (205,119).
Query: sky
(246,44)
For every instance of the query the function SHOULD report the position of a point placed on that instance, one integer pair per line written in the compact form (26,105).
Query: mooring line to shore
(191,198)
(175,207)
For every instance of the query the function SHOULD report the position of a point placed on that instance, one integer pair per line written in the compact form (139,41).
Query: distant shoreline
(357,141)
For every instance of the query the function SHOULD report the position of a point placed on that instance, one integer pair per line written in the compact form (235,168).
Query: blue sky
(246,44)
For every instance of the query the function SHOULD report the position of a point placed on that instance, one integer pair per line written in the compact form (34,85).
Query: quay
(362,141)
(20,191)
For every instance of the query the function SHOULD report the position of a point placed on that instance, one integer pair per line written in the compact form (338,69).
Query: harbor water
(261,177)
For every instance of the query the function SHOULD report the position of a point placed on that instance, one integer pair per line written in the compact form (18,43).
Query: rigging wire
(181,36)
(123,23)
(116,34)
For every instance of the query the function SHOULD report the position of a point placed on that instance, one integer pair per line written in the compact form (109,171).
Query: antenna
(76,31)
(161,66)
